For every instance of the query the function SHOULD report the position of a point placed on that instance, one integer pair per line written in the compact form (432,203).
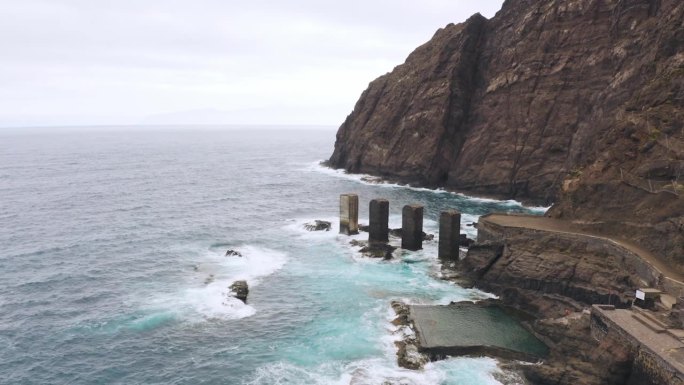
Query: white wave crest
(377,181)
(209,296)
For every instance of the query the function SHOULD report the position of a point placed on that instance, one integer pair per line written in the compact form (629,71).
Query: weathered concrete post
(412,227)
(378,220)
(449,234)
(349,214)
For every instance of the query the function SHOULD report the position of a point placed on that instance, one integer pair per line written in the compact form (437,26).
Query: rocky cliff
(555,276)
(579,103)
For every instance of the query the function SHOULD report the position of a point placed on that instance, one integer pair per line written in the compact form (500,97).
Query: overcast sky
(80,62)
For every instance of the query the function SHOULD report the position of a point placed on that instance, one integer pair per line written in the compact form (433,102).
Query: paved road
(560,226)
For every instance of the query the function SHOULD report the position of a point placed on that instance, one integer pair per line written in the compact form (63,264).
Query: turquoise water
(112,266)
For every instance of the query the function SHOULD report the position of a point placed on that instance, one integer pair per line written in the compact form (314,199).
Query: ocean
(113,266)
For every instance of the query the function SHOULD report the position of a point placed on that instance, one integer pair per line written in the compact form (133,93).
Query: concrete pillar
(349,214)
(378,220)
(412,227)
(449,234)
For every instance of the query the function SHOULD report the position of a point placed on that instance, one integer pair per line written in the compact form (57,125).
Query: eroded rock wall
(555,277)
(580,103)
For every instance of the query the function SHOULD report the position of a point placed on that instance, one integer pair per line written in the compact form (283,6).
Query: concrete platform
(472,329)
(649,338)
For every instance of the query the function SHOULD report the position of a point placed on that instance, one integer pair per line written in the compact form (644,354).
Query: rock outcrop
(233,253)
(555,277)
(318,226)
(239,290)
(580,103)
(375,249)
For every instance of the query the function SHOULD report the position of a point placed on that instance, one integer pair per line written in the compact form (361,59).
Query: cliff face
(576,102)
(554,276)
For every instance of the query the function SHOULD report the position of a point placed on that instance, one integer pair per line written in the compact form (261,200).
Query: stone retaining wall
(489,231)
(648,367)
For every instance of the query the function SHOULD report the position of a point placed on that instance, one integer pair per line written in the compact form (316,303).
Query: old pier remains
(449,235)
(349,214)
(378,229)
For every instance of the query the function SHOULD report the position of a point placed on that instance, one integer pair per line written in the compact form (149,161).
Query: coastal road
(561,226)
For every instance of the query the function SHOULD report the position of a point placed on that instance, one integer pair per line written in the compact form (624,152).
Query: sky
(128,62)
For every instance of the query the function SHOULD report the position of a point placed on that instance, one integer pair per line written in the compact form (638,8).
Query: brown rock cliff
(576,102)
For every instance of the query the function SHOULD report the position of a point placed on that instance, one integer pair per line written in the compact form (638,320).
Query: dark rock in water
(318,226)
(233,253)
(374,249)
(357,243)
(398,233)
(408,355)
(378,250)
(402,312)
(372,179)
(465,241)
(364,228)
(239,290)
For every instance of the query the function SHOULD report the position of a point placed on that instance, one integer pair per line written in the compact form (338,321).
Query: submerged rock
(408,354)
(374,249)
(372,179)
(357,243)
(465,241)
(409,357)
(239,290)
(318,226)
(233,253)
(398,233)
(209,279)
(378,250)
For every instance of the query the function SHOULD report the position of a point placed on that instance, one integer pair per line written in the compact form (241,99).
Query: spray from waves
(298,226)
(379,369)
(369,371)
(208,295)
(509,203)
(373,371)
(377,181)
(456,371)
(205,296)
(212,299)
(411,276)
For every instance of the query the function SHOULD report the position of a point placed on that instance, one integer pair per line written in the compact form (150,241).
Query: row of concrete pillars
(411,225)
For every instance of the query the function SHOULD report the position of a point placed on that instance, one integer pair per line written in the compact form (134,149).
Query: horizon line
(179,125)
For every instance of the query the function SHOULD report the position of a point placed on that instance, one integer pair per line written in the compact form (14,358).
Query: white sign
(640,295)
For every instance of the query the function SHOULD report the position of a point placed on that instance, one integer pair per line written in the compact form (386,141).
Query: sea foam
(377,181)
(208,295)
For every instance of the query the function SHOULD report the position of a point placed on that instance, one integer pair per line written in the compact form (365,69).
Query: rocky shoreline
(578,103)
(552,279)
(561,323)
